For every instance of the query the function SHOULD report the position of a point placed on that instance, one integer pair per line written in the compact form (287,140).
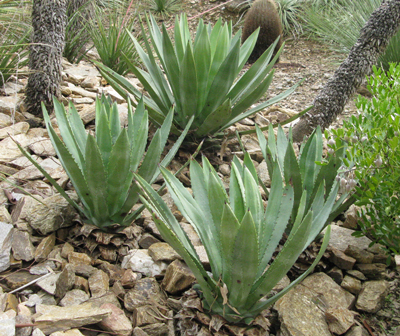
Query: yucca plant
(200,76)
(101,167)
(111,36)
(162,8)
(240,236)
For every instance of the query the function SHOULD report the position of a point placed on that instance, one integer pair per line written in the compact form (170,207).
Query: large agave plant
(200,77)
(101,167)
(240,236)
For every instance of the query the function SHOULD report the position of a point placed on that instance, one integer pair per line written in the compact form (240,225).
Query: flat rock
(98,283)
(146,292)
(339,320)
(74,297)
(372,271)
(76,259)
(139,261)
(362,256)
(54,214)
(341,260)
(18,279)
(117,322)
(65,281)
(341,238)
(48,283)
(8,104)
(18,128)
(55,318)
(163,252)
(334,295)
(351,284)
(9,150)
(372,296)
(5,120)
(178,277)
(300,315)
(42,147)
(6,233)
(45,247)
(7,323)
(22,246)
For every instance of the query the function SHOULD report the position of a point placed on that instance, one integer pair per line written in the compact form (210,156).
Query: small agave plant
(239,234)
(200,78)
(101,167)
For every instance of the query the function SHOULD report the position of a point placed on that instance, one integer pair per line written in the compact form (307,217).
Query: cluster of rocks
(130,283)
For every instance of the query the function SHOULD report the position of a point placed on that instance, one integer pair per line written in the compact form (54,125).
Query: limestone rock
(145,315)
(372,271)
(262,171)
(357,331)
(9,151)
(146,240)
(42,147)
(130,278)
(74,297)
(99,283)
(22,246)
(65,281)
(117,322)
(48,283)
(54,214)
(362,256)
(341,260)
(6,233)
(334,295)
(7,323)
(55,318)
(5,120)
(306,319)
(339,320)
(341,238)
(139,261)
(163,252)
(18,128)
(351,215)
(156,329)
(372,296)
(146,291)
(45,247)
(77,259)
(351,284)
(18,279)
(178,277)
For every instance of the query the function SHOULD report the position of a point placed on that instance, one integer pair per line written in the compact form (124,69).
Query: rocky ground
(60,276)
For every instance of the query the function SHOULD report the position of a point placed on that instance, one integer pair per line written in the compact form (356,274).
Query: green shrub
(162,8)
(339,24)
(101,168)
(110,34)
(289,11)
(239,234)
(200,77)
(373,157)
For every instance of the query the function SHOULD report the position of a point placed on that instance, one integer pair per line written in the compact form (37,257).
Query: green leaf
(215,119)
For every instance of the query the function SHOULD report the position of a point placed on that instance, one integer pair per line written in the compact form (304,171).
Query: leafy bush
(110,34)
(240,236)
(101,168)
(373,157)
(340,22)
(289,11)
(200,76)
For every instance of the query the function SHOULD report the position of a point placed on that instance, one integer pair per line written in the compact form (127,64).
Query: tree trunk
(49,21)
(374,38)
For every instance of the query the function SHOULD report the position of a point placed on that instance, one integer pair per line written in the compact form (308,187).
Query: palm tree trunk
(49,21)
(374,38)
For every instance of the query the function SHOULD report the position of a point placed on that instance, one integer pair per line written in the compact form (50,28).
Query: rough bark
(49,21)
(330,101)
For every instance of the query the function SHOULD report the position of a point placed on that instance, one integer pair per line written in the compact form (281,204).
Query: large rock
(18,128)
(300,315)
(372,296)
(334,295)
(117,322)
(341,238)
(54,214)
(146,292)
(6,232)
(55,318)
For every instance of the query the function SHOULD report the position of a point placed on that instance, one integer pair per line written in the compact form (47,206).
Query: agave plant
(240,236)
(101,168)
(200,77)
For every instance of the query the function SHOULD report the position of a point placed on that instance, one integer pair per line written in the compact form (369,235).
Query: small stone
(140,261)
(65,281)
(357,331)
(118,290)
(90,82)
(372,296)
(192,234)
(84,270)
(342,260)
(66,250)
(357,274)
(351,215)
(48,283)
(99,283)
(6,232)
(109,297)
(74,297)
(339,320)
(7,323)
(23,319)
(351,284)
(178,277)
(163,252)
(397,261)
(341,238)
(130,278)
(336,274)
(156,329)
(18,279)
(43,147)
(146,291)
(81,283)
(224,169)
(147,240)
(117,322)
(82,100)
(18,128)
(145,315)
(372,271)
(45,247)
(139,332)
(262,171)
(201,252)
(55,318)
(362,256)
(76,258)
